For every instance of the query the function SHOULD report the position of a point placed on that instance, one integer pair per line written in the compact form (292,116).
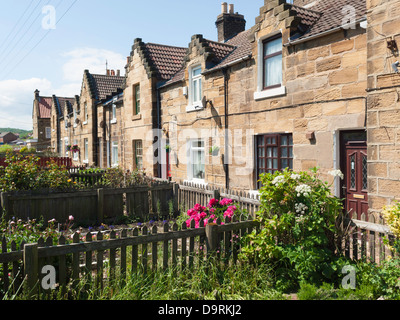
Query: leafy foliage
(24,173)
(298,217)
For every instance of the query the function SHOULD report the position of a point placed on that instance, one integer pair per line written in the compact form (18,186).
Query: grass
(207,282)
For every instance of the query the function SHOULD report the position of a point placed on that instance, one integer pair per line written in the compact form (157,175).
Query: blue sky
(87,33)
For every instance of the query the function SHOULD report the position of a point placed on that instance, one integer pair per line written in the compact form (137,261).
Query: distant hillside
(22,133)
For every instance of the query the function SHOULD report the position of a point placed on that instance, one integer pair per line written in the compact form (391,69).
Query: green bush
(298,218)
(24,173)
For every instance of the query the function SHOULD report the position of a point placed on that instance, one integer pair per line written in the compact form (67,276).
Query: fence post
(100,205)
(4,204)
(31,267)
(211,238)
(216,194)
(176,198)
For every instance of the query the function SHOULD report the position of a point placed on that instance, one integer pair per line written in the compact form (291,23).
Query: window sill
(201,182)
(86,161)
(113,121)
(137,117)
(260,95)
(195,107)
(85,123)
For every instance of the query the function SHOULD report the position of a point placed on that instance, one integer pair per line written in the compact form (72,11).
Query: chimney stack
(229,24)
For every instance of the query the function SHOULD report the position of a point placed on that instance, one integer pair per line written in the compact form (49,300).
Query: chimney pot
(112,72)
(224,7)
(231,9)
(118,73)
(108,72)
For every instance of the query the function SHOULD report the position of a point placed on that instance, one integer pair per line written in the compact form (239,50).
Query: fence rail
(149,248)
(191,193)
(43,161)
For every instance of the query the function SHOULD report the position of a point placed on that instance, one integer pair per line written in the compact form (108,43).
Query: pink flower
(71,218)
(191,212)
(225,202)
(212,203)
(199,208)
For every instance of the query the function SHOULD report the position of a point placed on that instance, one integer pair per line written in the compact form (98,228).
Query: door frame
(343,158)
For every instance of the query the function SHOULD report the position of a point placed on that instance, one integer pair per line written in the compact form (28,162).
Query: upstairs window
(136,99)
(114,113)
(272,56)
(195,89)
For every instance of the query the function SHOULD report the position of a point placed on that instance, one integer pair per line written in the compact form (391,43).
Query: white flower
(295,176)
(300,208)
(336,173)
(303,189)
(278,180)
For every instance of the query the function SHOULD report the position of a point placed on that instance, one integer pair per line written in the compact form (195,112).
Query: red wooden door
(356,178)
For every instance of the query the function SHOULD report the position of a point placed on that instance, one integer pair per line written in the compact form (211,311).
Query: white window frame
(195,105)
(190,155)
(114,154)
(114,113)
(260,92)
(75,155)
(86,144)
(66,143)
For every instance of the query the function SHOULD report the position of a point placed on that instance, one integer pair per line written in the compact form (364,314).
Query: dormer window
(114,113)
(272,49)
(195,89)
(270,67)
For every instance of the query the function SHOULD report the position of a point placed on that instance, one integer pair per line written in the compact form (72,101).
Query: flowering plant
(222,209)
(298,214)
(391,214)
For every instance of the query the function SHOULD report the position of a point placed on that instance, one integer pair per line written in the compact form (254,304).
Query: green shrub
(298,218)
(24,173)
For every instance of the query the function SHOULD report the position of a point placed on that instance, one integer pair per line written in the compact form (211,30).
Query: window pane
(275,164)
(273,46)
(196,72)
(195,91)
(284,141)
(273,71)
(284,152)
(284,163)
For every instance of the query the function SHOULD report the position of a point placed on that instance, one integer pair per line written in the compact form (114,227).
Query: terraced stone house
(310,83)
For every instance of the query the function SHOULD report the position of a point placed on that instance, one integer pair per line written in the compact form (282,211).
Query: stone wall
(139,126)
(383,105)
(325,82)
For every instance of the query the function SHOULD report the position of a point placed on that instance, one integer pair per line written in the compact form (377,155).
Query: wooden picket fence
(136,250)
(191,193)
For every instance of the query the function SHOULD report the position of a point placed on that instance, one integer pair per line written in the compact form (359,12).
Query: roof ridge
(165,45)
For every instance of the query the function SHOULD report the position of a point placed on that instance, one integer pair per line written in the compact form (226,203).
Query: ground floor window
(196,160)
(86,144)
(138,154)
(274,153)
(114,154)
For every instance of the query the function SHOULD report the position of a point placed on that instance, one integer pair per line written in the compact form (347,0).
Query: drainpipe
(159,162)
(226,156)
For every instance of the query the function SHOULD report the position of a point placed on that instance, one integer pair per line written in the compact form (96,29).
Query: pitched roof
(62,103)
(104,86)
(167,60)
(44,107)
(325,16)
(242,48)
(224,54)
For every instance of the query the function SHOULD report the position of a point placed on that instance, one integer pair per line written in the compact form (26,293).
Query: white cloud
(16,101)
(93,60)
(16,96)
